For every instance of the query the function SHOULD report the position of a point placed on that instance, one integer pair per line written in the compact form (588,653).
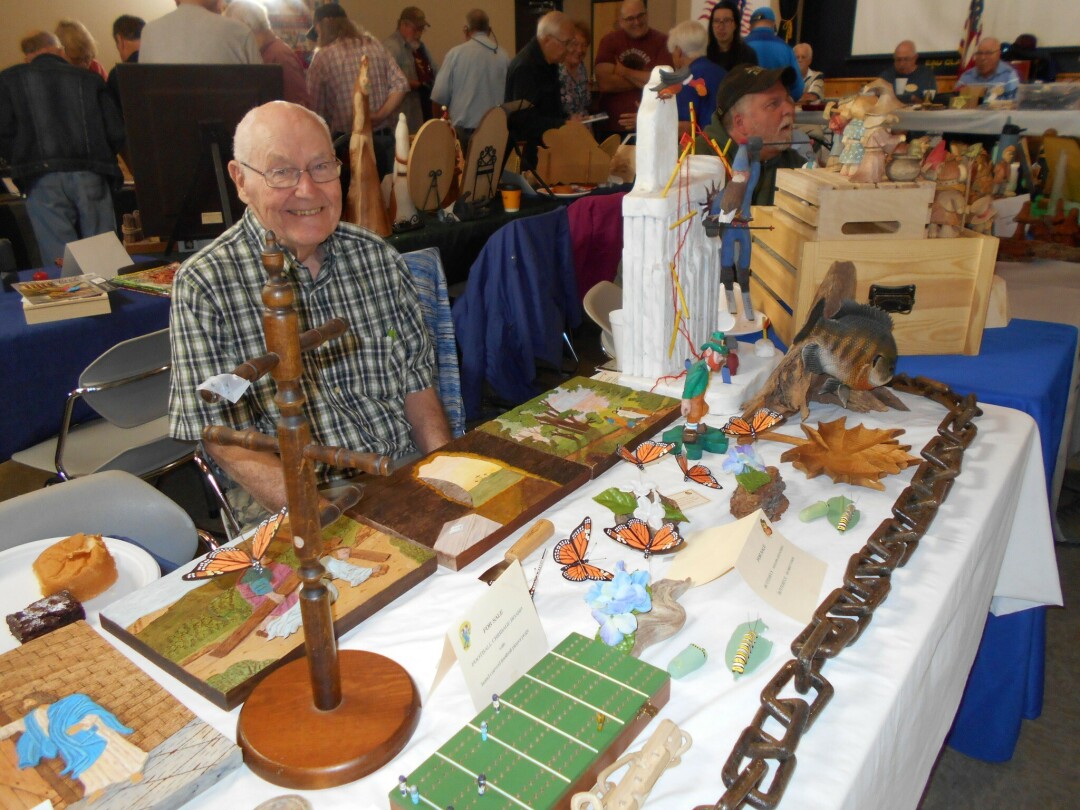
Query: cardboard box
(949,281)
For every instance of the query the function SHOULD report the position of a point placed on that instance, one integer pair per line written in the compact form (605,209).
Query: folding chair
(113,503)
(128,386)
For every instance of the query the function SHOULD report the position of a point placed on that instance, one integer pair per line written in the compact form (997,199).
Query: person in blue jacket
(771,50)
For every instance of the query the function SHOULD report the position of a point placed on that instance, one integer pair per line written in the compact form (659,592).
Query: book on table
(62,298)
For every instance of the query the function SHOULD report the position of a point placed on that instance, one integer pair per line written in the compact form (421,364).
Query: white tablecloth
(976,121)
(897,688)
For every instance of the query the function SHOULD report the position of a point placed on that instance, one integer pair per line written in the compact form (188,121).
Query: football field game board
(555,728)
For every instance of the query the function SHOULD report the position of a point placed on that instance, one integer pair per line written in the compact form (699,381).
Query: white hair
(244,144)
(551,24)
(251,13)
(690,37)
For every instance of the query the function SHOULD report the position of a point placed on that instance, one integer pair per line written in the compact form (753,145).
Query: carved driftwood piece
(663,750)
(364,205)
(666,617)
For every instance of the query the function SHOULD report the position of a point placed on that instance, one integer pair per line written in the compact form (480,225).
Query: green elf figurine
(693,406)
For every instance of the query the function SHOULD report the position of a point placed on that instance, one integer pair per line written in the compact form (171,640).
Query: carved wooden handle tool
(529,542)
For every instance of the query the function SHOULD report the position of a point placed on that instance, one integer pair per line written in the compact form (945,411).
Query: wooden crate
(839,209)
(952,279)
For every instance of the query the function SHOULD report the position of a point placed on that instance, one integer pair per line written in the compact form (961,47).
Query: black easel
(215,140)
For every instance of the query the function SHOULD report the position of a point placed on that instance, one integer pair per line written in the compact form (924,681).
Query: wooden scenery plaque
(484,161)
(213,634)
(585,420)
(431,165)
(172,754)
(468,495)
(556,728)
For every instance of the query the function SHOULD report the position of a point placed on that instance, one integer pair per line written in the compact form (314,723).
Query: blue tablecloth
(40,363)
(1027,366)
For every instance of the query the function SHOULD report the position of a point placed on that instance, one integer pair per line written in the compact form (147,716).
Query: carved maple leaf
(860,456)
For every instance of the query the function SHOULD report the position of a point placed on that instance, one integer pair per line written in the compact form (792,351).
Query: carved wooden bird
(671,82)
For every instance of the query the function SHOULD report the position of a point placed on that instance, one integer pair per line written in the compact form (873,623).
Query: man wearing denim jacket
(60,130)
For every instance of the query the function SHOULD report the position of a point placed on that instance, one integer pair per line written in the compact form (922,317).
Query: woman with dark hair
(726,47)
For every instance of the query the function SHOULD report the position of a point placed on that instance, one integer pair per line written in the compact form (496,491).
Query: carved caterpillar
(742,655)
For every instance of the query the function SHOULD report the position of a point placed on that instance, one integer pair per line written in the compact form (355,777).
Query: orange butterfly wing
(667,538)
(762,420)
(646,452)
(228,560)
(222,561)
(699,473)
(570,554)
(266,532)
(634,533)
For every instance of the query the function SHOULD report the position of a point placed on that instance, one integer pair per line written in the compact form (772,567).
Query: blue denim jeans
(66,206)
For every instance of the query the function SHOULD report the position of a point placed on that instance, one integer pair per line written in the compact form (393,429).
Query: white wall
(21,17)
(446,18)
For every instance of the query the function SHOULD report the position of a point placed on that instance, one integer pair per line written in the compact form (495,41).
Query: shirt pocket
(370,366)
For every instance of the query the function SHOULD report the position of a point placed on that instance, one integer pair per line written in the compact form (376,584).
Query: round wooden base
(289,742)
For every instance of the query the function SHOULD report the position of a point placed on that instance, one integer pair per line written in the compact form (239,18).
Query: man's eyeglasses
(322,172)
(636,18)
(723,21)
(987,53)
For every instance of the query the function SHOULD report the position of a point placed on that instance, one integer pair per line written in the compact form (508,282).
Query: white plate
(19,585)
(566,195)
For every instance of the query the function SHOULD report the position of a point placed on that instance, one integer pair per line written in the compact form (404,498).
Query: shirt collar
(256,236)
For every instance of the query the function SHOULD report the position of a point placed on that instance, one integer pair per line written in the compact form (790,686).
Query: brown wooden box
(839,209)
(952,279)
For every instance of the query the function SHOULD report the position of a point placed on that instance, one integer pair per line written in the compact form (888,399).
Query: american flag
(972,32)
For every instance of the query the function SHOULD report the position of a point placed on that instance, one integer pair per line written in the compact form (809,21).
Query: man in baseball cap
(771,50)
(323,12)
(755,102)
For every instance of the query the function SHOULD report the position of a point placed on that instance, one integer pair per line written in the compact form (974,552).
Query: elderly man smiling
(624,61)
(370,390)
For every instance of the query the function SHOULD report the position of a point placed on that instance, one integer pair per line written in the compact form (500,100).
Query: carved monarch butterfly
(699,473)
(570,554)
(762,420)
(645,452)
(636,534)
(227,560)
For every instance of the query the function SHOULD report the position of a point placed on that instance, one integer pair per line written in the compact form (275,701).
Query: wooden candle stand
(332,718)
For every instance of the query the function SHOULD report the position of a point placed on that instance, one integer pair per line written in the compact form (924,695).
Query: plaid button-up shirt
(332,77)
(355,385)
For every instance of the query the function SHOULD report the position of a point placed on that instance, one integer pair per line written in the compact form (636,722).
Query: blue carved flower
(615,602)
(614,628)
(742,457)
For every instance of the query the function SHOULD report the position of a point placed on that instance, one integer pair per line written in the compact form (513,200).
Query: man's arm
(424,412)
(393,101)
(258,472)
(614,77)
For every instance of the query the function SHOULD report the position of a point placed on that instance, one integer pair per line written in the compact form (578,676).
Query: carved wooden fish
(855,348)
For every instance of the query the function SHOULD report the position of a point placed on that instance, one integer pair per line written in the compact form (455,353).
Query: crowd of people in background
(549,79)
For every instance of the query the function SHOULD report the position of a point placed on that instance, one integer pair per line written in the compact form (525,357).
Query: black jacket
(530,77)
(55,117)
